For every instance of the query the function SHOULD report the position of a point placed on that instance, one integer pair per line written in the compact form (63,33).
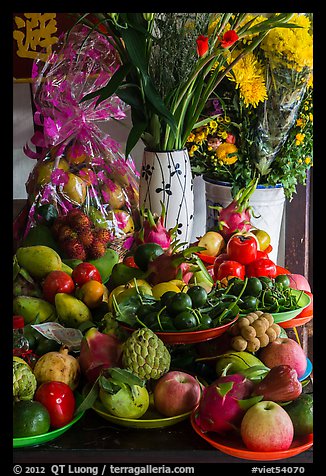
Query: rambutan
(80,221)
(66,233)
(58,223)
(97,249)
(102,234)
(74,249)
(86,237)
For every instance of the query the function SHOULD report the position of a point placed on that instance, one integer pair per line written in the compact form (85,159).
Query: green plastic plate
(151,419)
(50,435)
(303,302)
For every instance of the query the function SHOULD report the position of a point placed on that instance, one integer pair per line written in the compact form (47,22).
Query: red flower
(230,139)
(229,38)
(202,45)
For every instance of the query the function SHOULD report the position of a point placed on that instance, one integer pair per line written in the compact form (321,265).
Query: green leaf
(135,43)
(204,269)
(249,402)
(125,376)
(48,212)
(130,94)
(89,399)
(134,135)
(16,268)
(109,385)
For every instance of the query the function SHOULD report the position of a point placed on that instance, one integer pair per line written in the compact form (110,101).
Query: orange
(91,293)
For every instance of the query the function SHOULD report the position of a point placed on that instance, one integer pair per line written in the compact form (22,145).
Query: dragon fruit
(236,216)
(97,351)
(224,403)
(153,229)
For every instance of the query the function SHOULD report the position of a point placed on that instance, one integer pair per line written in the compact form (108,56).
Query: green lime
(30,418)
(198,296)
(254,287)
(146,253)
(300,411)
(178,303)
(185,320)
(206,322)
(166,297)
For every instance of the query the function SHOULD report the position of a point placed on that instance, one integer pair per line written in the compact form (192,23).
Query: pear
(71,311)
(75,189)
(38,260)
(34,309)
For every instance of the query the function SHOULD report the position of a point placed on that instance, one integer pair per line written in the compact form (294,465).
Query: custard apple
(145,355)
(24,381)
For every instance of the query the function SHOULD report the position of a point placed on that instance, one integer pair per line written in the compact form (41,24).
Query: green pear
(34,309)
(71,311)
(38,260)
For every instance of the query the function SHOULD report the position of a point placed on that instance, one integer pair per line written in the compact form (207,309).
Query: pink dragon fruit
(224,402)
(236,216)
(166,267)
(153,229)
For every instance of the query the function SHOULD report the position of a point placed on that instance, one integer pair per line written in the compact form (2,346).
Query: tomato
(218,260)
(59,400)
(57,282)
(230,268)
(261,267)
(261,254)
(263,238)
(130,261)
(281,270)
(242,248)
(84,272)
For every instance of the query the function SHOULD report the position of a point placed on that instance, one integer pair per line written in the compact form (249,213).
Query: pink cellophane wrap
(78,165)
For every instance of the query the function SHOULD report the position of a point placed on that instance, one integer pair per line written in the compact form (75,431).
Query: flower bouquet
(264,107)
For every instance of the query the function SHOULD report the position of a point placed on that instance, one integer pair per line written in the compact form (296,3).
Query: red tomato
(308,311)
(130,261)
(57,282)
(59,400)
(218,260)
(84,272)
(261,254)
(230,268)
(281,270)
(242,248)
(261,267)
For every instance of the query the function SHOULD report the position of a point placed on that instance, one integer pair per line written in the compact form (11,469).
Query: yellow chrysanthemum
(291,47)
(191,137)
(307,160)
(249,78)
(223,151)
(299,122)
(299,138)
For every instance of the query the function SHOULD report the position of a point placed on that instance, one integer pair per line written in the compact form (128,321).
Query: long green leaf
(134,135)
(89,399)
(125,376)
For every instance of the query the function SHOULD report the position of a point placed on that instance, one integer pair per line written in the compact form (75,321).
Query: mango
(75,189)
(105,263)
(122,274)
(71,310)
(67,269)
(38,260)
(33,309)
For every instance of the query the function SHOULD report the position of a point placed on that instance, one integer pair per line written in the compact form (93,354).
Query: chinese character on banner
(34,35)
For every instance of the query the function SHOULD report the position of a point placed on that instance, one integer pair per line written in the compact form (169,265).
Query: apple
(213,242)
(284,351)
(266,426)
(175,393)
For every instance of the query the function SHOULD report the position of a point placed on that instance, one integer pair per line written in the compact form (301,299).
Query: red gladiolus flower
(229,38)
(230,139)
(202,45)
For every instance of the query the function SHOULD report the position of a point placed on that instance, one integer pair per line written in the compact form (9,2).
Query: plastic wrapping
(78,165)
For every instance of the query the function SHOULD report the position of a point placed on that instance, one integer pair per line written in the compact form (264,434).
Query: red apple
(176,392)
(266,426)
(284,351)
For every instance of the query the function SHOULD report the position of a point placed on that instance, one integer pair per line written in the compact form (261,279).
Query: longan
(264,340)
(239,344)
(253,345)
(276,328)
(271,334)
(269,317)
(242,322)
(265,321)
(259,313)
(234,329)
(248,332)
(259,327)
(251,317)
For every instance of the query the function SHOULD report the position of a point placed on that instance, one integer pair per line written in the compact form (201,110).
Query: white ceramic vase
(267,205)
(167,177)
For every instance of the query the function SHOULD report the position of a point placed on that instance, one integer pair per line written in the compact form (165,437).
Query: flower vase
(267,208)
(166,177)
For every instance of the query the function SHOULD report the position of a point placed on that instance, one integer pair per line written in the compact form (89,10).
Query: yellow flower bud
(148,16)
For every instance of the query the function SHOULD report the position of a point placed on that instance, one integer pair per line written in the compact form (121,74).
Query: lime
(198,296)
(166,297)
(185,320)
(178,303)
(146,253)
(30,418)
(300,411)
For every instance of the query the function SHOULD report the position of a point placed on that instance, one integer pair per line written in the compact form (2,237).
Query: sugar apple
(145,354)
(24,381)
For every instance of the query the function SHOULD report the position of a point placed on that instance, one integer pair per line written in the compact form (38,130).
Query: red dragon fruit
(153,229)
(224,402)
(236,216)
